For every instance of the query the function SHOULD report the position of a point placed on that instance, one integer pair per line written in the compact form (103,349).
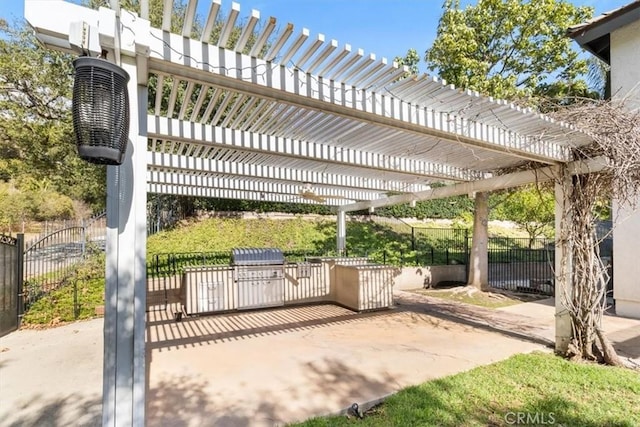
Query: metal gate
(50,260)
(11,253)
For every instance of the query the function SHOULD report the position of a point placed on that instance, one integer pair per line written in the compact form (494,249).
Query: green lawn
(541,389)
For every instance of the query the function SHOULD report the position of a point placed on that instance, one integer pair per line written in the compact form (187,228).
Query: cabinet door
(210,296)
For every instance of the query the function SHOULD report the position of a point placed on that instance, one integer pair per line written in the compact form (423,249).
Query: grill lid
(256,256)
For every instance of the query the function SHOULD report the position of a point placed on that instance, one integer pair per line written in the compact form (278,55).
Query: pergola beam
(515,179)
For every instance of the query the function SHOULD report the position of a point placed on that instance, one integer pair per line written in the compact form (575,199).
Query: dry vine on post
(616,142)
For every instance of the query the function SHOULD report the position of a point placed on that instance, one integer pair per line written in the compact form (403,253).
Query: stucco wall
(625,78)
(626,265)
(625,64)
(421,277)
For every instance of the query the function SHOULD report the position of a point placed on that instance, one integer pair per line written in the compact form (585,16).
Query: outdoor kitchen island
(261,277)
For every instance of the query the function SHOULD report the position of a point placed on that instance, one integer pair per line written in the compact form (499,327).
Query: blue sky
(387,28)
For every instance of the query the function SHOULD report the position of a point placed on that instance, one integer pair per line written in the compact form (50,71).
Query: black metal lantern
(100,110)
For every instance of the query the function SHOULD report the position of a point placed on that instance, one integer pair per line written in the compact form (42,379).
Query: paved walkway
(269,367)
(52,377)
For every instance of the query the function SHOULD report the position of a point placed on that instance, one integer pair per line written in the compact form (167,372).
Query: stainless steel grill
(256,256)
(259,274)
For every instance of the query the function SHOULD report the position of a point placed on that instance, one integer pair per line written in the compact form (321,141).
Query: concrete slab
(52,377)
(623,332)
(276,366)
(270,367)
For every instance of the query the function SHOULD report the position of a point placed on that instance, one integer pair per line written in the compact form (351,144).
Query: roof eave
(593,35)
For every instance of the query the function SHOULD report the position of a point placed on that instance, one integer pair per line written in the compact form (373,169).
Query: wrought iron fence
(95,227)
(424,246)
(168,264)
(515,264)
(522,264)
(49,261)
(408,258)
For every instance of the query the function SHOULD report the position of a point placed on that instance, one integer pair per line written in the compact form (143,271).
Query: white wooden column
(124,381)
(563,260)
(341,232)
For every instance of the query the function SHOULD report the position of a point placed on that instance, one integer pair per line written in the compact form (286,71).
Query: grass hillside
(317,236)
(313,235)
(388,242)
(221,234)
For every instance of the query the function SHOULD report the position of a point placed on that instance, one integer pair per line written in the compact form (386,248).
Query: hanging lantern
(100,110)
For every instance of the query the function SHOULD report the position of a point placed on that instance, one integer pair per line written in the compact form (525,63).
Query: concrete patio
(274,366)
(271,367)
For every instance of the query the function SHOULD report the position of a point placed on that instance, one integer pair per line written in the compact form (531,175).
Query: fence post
(413,238)
(76,308)
(467,255)
(466,244)
(20,275)
(83,238)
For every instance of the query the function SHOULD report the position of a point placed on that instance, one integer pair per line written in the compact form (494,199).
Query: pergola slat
(179,130)
(173,162)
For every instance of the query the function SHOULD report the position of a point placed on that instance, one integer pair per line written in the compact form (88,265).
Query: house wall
(625,64)
(625,83)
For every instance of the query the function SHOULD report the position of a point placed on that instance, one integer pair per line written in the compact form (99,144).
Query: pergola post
(479,256)
(124,381)
(563,260)
(341,232)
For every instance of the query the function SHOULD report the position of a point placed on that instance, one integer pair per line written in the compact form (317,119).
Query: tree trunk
(479,257)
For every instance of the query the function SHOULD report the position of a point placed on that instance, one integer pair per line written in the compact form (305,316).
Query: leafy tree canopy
(36,132)
(510,48)
(532,208)
(411,60)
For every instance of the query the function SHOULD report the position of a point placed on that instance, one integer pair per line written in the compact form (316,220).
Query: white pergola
(289,115)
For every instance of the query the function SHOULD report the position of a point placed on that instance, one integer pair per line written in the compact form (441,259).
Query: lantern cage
(100,110)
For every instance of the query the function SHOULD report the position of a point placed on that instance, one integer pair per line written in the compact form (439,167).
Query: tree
(13,207)
(509,48)
(517,50)
(411,60)
(598,77)
(33,200)
(531,207)
(36,134)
